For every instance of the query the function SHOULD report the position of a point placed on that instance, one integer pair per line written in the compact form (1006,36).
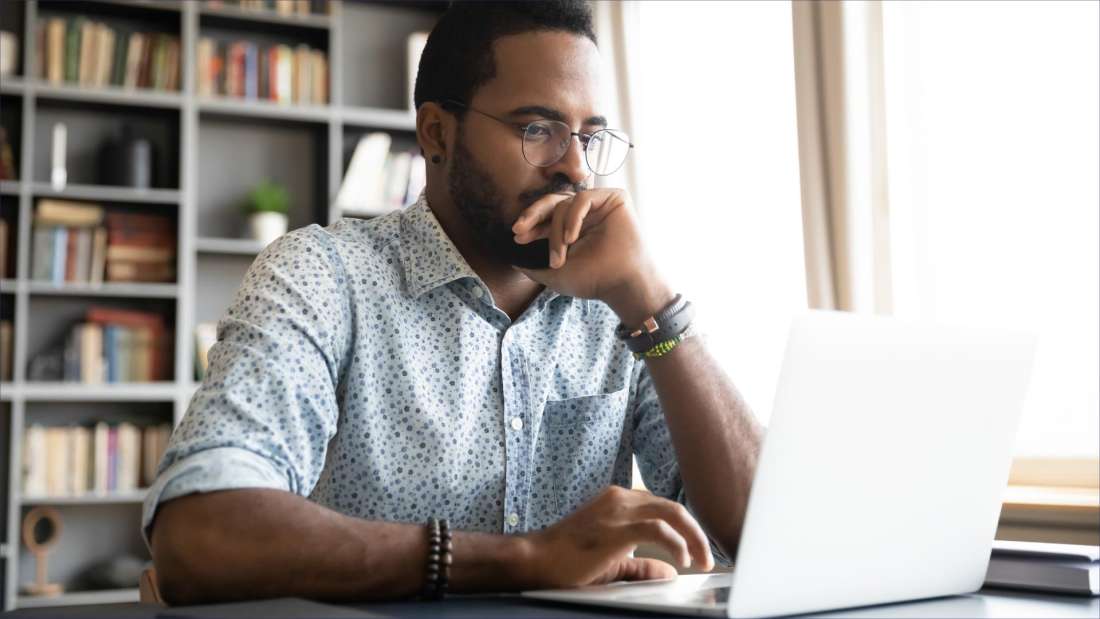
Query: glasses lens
(545,141)
(607,151)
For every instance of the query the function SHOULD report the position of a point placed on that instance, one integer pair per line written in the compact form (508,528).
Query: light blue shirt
(366,367)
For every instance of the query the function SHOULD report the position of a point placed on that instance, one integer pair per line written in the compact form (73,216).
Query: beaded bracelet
(664,347)
(438,571)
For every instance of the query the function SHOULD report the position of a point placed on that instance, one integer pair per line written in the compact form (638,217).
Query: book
(361,190)
(99,256)
(34,460)
(1061,568)
(67,213)
(7,157)
(7,346)
(72,48)
(100,441)
(54,60)
(3,248)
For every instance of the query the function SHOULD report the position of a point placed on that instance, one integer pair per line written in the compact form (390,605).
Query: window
(719,193)
(993,162)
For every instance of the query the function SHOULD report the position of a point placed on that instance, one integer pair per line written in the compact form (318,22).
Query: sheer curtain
(994,166)
(717,173)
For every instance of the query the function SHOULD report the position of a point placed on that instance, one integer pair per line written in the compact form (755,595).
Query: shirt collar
(430,259)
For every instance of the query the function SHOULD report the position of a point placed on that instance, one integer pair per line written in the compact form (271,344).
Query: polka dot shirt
(366,367)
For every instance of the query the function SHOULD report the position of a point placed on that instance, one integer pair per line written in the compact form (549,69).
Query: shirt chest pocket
(580,442)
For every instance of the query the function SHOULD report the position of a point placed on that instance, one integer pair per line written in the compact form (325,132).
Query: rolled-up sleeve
(267,407)
(655,452)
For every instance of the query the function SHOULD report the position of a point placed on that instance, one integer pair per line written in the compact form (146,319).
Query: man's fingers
(574,218)
(539,211)
(631,568)
(660,532)
(557,235)
(677,516)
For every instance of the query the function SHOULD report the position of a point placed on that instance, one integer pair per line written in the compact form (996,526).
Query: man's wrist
(640,299)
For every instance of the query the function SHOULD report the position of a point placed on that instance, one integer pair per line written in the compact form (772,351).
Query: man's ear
(434,126)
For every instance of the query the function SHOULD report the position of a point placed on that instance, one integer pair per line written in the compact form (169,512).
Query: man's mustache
(558,185)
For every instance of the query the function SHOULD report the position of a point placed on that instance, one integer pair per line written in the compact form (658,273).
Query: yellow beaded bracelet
(662,347)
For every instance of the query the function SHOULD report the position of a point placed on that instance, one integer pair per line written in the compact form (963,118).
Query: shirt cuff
(223,468)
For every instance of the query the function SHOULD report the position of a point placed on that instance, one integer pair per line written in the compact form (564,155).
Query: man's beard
(482,206)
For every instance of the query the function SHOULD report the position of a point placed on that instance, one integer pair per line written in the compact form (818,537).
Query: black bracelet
(666,324)
(438,571)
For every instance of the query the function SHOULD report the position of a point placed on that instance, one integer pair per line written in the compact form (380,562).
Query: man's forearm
(255,543)
(716,438)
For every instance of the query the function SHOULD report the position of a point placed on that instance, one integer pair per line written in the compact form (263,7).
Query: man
(429,364)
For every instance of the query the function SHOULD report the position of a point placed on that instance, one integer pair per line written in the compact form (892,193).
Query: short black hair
(458,57)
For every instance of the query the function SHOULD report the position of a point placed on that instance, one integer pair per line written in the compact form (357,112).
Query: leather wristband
(666,324)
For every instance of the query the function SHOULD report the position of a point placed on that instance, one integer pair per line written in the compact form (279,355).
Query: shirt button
(517,423)
(477,292)
(513,519)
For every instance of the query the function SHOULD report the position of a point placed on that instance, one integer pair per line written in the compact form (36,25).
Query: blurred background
(927,160)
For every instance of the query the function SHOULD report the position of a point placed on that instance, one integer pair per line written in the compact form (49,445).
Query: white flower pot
(266,227)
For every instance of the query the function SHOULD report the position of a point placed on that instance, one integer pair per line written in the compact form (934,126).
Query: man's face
(539,76)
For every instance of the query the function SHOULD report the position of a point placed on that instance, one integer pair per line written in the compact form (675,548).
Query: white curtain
(838,72)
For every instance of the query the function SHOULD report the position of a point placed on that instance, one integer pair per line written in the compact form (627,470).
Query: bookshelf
(211,149)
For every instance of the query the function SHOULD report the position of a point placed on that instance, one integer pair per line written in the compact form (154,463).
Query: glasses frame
(584,138)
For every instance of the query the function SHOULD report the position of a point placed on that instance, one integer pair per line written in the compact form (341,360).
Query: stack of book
(278,73)
(140,248)
(1038,566)
(379,181)
(89,53)
(286,8)
(69,245)
(101,459)
(78,242)
(116,346)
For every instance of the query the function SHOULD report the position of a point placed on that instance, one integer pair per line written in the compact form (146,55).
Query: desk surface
(988,603)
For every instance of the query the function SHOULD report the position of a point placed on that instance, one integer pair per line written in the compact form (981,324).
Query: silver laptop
(880,480)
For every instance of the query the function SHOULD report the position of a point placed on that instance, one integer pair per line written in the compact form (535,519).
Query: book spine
(60,242)
(72,49)
(112,459)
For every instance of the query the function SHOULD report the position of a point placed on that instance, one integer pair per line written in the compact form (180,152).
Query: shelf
(107,289)
(80,598)
(166,6)
(112,95)
(256,16)
(254,108)
(9,188)
(9,286)
(13,86)
(136,496)
(107,193)
(79,392)
(6,390)
(241,247)
(402,120)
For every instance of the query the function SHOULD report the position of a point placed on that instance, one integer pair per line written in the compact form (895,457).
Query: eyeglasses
(545,142)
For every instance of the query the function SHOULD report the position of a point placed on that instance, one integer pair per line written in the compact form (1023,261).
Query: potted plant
(267,207)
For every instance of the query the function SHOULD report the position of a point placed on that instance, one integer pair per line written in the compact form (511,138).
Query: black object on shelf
(127,161)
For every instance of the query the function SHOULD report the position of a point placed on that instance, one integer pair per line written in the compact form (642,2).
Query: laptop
(880,479)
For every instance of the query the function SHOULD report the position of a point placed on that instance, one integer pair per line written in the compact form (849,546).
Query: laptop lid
(884,463)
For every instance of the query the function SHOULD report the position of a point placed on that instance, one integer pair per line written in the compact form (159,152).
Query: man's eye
(539,131)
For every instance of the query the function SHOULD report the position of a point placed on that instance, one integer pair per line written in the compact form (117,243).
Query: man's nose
(572,164)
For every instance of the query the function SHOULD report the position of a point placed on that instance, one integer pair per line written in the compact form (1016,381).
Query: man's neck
(512,291)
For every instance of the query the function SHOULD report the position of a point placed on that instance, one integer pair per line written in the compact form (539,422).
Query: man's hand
(596,251)
(592,545)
